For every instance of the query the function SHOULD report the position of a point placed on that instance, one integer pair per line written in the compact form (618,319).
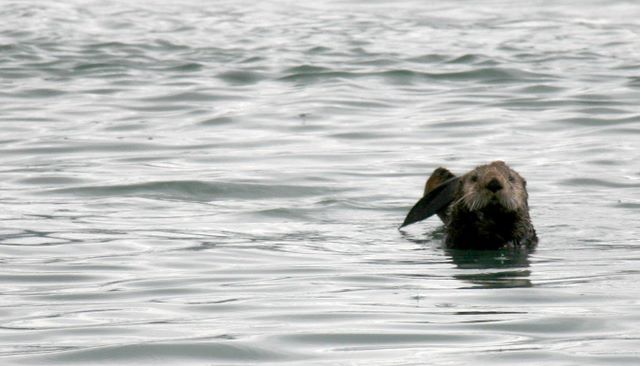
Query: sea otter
(486,208)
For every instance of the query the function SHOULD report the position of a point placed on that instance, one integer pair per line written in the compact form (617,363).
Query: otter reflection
(506,267)
(501,268)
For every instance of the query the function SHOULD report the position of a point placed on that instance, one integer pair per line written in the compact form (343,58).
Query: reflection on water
(186,184)
(503,268)
(493,268)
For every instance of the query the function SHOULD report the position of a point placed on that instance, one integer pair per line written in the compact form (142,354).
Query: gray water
(222,184)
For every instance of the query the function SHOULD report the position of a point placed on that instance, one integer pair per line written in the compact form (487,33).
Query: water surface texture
(185,183)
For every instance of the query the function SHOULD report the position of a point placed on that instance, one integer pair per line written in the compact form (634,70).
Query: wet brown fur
(439,176)
(489,209)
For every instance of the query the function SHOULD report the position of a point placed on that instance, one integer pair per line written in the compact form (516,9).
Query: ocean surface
(220,183)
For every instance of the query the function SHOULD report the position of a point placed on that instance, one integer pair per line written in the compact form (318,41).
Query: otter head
(494,184)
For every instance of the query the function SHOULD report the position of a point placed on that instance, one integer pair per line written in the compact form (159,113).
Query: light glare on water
(222,183)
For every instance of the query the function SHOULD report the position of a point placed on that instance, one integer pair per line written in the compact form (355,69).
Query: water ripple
(193,190)
(189,184)
(169,353)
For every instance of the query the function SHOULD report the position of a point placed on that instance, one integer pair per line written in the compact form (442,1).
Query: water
(222,183)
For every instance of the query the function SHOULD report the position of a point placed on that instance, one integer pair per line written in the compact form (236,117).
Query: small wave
(592,121)
(631,205)
(49,180)
(318,76)
(541,89)
(597,183)
(180,351)
(306,69)
(40,93)
(471,59)
(193,190)
(217,121)
(96,66)
(241,77)
(488,75)
(186,67)
(189,96)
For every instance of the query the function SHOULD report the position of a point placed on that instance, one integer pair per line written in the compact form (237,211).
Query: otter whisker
(460,200)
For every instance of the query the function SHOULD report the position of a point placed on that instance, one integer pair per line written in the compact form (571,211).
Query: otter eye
(474,178)
(511,178)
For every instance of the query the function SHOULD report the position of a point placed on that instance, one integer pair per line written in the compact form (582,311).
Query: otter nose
(494,185)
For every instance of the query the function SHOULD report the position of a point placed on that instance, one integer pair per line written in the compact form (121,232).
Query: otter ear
(433,202)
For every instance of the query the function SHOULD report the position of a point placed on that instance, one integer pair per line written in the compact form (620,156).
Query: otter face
(494,184)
